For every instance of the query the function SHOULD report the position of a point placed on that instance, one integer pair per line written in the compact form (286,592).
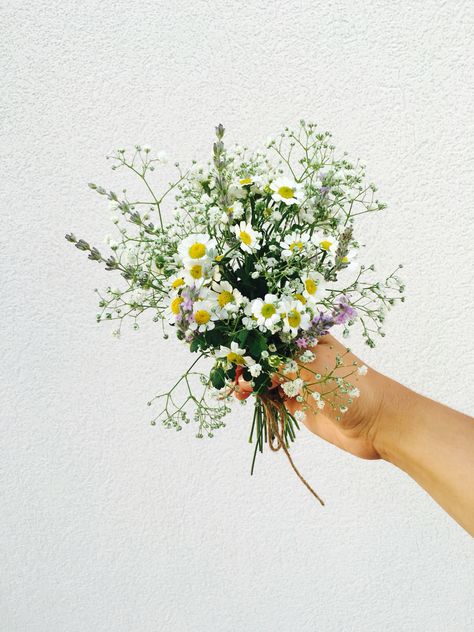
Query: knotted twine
(275,416)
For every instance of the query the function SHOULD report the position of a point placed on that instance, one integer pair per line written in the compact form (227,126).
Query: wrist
(392,419)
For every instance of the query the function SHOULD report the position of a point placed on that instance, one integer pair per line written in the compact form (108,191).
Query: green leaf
(197,343)
(242,336)
(256,343)
(217,377)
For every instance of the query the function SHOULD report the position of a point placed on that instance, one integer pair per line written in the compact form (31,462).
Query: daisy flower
(314,286)
(247,236)
(294,317)
(227,298)
(286,190)
(235,211)
(265,311)
(293,244)
(174,308)
(196,247)
(176,282)
(196,272)
(324,242)
(350,260)
(235,355)
(203,316)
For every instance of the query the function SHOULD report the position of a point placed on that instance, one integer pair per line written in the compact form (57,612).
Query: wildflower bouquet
(258,262)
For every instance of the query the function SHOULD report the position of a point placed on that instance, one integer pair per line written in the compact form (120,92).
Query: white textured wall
(110,525)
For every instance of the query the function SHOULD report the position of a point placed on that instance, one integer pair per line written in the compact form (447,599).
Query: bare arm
(432,443)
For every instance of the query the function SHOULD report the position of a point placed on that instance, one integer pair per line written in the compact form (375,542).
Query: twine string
(275,416)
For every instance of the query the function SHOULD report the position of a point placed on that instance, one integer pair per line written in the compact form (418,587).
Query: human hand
(432,443)
(356,429)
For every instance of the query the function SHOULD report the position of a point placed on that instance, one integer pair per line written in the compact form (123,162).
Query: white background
(111,525)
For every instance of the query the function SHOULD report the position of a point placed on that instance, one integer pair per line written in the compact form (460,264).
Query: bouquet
(258,262)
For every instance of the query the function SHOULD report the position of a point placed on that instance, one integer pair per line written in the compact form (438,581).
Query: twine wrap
(275,417)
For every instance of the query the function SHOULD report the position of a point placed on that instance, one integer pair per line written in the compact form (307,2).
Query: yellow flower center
(345,259)
(196,271)
(177,283)
(202,316)
(176,305)
(300,298)
(224,298)
(296,245)
(294,318)
(325,244)
(245,238)
(268,310)
(197,250)
(286,192)
(235,358)
(310,286)
(245,181)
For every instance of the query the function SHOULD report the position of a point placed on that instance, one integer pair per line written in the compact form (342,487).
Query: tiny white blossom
(307,356)
(255,370)
(362,370)
(162,157)
(290,367)
(293,387)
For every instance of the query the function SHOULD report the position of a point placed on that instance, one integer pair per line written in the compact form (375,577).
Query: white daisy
(326,243)
(350,260)
(235,355)
(265,311)
(287,191)
(174,308)
(314,286)
(176,282)
(293,244)
(227,298)
(196,271)
(196,247)
(294,317)
(203,316)
(235,211)
(247,237)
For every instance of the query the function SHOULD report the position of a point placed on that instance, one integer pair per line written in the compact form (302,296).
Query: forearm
(432,443)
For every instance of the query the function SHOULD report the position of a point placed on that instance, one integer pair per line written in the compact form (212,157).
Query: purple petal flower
(344,310)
